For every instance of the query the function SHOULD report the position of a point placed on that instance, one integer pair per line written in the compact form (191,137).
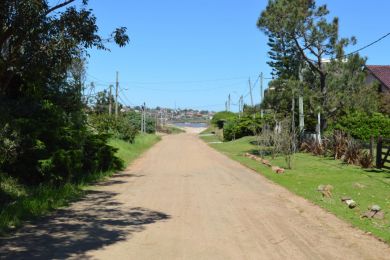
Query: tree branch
(58,6)
(309,61)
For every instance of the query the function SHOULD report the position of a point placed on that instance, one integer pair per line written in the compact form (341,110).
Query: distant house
(380,74)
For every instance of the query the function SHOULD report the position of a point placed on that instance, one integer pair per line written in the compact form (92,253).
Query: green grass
(31,202)
(366,187)
(211,134)
(174,130)
(128,152)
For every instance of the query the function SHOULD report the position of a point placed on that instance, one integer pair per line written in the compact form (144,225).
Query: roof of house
(381,72)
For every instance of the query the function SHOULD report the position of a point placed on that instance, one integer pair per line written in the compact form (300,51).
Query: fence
(382,153)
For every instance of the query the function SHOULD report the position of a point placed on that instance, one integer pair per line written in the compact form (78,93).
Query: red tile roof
(381,72)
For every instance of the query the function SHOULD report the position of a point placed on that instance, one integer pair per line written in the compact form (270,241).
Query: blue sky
(193,53)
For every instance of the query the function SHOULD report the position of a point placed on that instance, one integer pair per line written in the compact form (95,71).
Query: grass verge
(211,135)
(171,129)
(366,187)
(31,202)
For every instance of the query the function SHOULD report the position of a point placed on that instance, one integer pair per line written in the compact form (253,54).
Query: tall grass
(20,202)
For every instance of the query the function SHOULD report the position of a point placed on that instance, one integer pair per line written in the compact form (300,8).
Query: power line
(166,82)
(182,82)
(368,45)
(187,90)
(362,48)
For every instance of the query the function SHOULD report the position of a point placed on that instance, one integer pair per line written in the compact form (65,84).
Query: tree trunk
(324,101)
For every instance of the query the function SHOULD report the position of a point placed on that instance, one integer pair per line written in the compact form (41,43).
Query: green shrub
(362,126)
(99,156)
(240,127)
(135,120)
(122,127)
(220,118)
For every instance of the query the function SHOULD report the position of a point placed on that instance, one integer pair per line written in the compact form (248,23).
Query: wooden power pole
(261,94)
(229,102)
(250,91)
(300,103)
(110,101)
(116,94)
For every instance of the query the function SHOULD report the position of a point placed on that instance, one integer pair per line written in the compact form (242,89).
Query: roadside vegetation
(315,130)
(55,138)
(170,129)
(366,186)
(21,202)
(211,134)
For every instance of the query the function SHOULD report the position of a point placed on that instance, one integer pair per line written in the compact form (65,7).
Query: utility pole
(300,102)
(226,106)
(293,122)
(319,128)
(142,118)
(116,94)
(144,127)
(250,91)
(155,122)
(239,107)
(90,92)
(261,95)
(110,101)
(161,118)
(242,104)
(229,102)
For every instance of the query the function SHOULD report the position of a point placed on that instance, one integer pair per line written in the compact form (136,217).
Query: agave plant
(366,160)
(353,152)
(340,144)
(314,147)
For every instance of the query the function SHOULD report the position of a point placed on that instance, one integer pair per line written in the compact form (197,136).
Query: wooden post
(110,101)
(372,147)
(116,94)
(379,153)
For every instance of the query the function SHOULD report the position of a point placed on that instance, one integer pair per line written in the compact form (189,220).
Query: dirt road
(183,200)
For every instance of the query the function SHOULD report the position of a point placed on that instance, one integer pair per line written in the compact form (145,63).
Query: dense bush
(241,126)
(220,118)
(135,120)
(43,132)
(122,127)
(362,126)
(46,144)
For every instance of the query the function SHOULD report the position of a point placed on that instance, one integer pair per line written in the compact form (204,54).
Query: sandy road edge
(366,233)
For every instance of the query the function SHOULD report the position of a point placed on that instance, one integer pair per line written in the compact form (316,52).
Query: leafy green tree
(221,117)
(362,126)
(284,59)
(41,88)
(309,35)
(385,103)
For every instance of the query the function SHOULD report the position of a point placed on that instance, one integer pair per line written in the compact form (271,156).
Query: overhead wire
(368,45)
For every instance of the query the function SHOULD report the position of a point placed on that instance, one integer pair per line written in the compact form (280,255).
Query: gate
(383,153)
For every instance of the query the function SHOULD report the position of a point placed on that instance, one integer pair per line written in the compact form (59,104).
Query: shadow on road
(96,221)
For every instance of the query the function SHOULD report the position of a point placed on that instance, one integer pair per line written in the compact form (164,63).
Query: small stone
(379,215)
(375,208)
(351,203)
(266,162)
(368,214)
(280,171)
(326,190)
(343,199)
